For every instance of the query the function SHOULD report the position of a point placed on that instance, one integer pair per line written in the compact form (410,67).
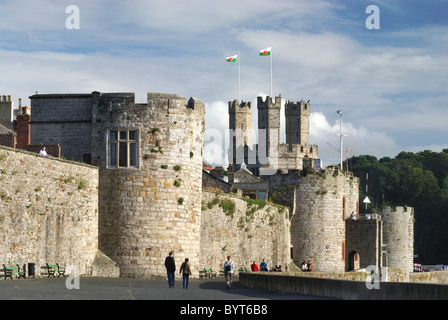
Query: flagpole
(340,129)
(271,69)
(239,76)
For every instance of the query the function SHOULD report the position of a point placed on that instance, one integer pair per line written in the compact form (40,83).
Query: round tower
(398,238)
(150,158)
(323,203)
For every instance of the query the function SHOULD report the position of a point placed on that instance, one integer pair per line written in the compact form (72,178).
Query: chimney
(230,174)
(23,128)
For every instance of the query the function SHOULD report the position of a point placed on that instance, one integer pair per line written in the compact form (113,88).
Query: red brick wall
(23,132)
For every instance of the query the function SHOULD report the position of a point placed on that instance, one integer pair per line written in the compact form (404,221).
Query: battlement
(235,106)
(300,107)
(174,101)
(267,103)
(300,151)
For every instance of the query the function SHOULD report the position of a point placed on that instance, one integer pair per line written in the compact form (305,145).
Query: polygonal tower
(150,179)
(240,128)
(297,116)
(268,126)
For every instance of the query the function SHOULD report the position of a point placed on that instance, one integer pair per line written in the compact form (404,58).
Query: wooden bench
(54,268)
(209,273)
(14,270)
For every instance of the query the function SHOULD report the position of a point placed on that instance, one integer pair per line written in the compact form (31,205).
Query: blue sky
(391,83)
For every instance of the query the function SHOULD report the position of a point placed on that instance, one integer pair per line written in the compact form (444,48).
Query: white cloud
(390,84)
(359,139)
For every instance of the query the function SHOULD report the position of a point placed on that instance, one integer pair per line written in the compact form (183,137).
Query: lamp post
(341,137)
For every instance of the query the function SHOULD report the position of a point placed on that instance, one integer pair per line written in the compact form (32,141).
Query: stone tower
(240,121)
(240,129)
(150,179)
(318,231)
(297,116)
(398,237)
(268,126)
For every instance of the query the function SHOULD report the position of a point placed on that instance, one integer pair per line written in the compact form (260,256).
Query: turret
(240,116)
(268,125)
(297,117)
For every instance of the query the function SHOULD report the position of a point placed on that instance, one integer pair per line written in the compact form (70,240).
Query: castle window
(122,149)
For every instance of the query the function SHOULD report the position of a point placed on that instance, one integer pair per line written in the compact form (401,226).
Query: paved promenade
(133,289)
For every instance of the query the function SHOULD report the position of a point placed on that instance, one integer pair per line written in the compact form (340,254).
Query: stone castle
(137,190)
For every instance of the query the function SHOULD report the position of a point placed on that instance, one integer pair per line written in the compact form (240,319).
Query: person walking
(228,271)
(185,269)
(170,266)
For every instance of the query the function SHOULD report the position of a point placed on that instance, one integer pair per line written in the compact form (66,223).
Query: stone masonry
(244,229)
(154,205)
(323,203)
(144,196)
(48,211)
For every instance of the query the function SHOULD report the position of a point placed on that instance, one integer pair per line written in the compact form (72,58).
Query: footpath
(133,289)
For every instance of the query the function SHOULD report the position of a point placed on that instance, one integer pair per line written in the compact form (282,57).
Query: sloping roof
(206,166)
(4,130)
(245,176)
(210,181)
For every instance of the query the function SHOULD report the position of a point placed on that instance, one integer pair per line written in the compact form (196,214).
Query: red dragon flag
(265,52)
(232,58)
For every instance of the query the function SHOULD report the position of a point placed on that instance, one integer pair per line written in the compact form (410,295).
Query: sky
(389,81)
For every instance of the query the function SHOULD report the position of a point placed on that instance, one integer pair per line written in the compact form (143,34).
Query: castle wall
(48,211)
(364,237)
(290,157)
(247,232)
(65,120)
(153,207)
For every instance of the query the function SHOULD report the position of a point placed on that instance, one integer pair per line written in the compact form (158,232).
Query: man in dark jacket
(170,266)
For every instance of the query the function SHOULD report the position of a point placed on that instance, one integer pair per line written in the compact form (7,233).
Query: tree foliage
(419,180)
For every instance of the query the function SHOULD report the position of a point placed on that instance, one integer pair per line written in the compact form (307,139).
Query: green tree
(419,180)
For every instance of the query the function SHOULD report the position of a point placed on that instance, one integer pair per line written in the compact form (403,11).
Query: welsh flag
(265,52)
(232,58)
